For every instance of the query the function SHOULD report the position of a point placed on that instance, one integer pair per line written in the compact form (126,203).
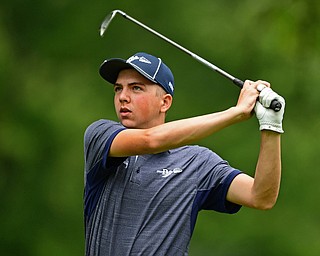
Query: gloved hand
(268,118)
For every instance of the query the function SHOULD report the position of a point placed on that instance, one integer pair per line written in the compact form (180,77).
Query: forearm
(186,131)
(173,134)
(266,184)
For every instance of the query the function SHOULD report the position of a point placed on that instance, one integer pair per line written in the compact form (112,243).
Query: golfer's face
(137,100)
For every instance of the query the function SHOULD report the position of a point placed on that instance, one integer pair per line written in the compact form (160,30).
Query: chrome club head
(106,22)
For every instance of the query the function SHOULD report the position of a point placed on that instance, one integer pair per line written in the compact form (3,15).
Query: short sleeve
(97,141)
(214,178)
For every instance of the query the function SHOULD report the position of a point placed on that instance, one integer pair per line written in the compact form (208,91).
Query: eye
(137,88)
(117,88)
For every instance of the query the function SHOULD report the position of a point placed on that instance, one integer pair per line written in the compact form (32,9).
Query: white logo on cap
(171,86)
(144,60)
(141,59)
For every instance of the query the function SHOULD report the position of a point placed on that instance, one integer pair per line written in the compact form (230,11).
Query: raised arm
(261,192)
(173,134)
(183,132)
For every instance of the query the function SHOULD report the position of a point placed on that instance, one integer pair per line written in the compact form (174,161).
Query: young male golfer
(145,184)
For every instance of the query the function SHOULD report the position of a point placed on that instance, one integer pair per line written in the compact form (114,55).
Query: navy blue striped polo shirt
(148,204)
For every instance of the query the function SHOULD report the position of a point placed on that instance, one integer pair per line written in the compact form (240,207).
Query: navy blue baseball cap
(147,65)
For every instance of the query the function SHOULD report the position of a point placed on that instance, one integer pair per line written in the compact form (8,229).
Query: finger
(247,83)
(260,87)
(267,84)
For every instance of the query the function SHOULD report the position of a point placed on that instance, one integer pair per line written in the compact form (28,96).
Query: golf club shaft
(275,104)
(193,55)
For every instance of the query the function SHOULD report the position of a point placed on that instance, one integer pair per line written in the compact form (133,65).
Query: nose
(124,95)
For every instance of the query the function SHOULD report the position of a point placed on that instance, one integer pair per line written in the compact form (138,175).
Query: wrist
(271,127)
(239,113)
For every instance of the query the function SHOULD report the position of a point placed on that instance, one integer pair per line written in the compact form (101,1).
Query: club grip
(275,104)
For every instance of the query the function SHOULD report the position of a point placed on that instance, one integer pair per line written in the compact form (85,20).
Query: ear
(166,103)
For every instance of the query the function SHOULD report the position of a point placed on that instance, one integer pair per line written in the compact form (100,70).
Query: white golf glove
(268,118)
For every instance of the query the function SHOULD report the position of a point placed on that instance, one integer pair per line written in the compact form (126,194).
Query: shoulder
(101,128)
(102,125)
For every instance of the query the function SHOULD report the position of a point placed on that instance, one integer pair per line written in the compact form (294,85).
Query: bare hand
(248,97)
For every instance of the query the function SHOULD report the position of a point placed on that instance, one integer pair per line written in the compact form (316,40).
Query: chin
(128,124)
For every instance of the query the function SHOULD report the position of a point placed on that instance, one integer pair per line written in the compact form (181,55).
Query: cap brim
(110,69)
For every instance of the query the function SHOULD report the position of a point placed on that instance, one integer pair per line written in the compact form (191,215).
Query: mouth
(124,111)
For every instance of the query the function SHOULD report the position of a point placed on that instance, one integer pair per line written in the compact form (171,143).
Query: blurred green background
(50,91)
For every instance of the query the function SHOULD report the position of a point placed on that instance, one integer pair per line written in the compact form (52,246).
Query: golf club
(275,104)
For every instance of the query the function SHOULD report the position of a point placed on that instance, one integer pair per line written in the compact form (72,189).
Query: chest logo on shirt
(166,172)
